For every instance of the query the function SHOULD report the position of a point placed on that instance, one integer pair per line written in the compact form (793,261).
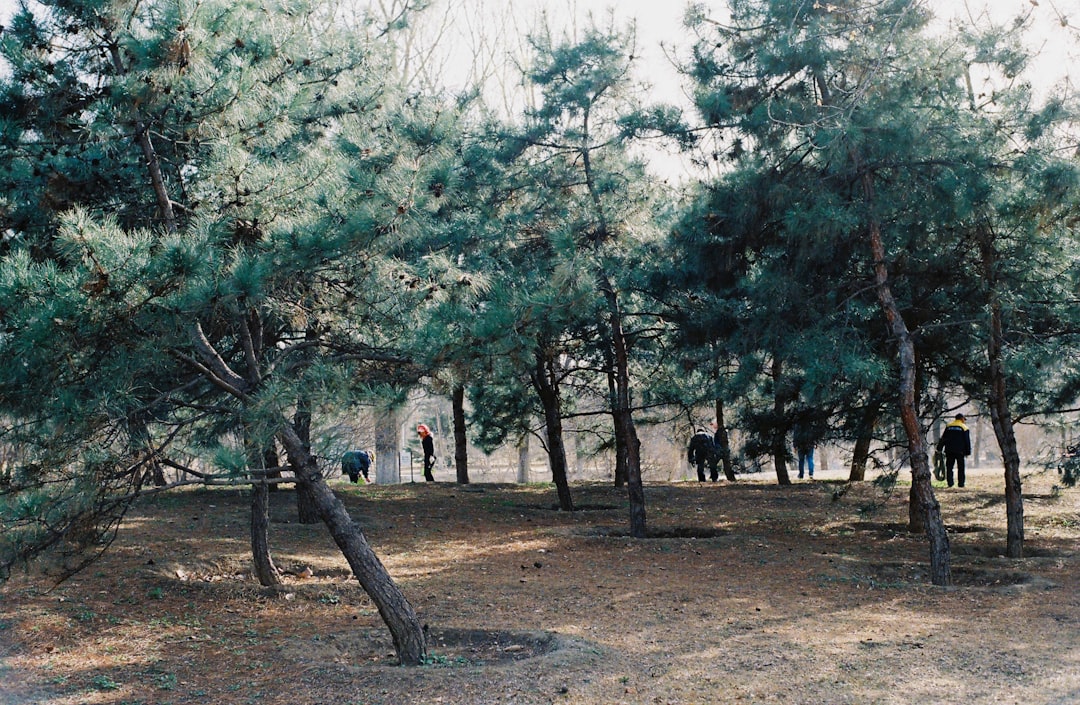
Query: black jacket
(701,448)
(955,439)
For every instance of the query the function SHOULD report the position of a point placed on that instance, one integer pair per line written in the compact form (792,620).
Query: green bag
(939,466)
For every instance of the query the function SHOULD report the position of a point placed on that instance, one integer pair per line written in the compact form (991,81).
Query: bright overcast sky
(661,22)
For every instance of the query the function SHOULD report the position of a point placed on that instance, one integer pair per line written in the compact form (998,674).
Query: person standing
(804,442)
(700,452)
(956,442)
(428,444)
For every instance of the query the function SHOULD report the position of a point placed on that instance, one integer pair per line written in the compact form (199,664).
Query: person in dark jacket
(804,442)
(355,463)
(956,442)
(428,443)
(700,453)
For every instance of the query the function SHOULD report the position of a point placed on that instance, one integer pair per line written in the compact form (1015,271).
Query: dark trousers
(429,463)
(950,460)
(701,470)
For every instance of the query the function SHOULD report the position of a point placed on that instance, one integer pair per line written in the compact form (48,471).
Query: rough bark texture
(306,510)
(864,435)
(626,439)
(265,570)
(396,612)
(622,466)
(922,491)
(523,459)
(545,381)
(388,447)
(998,403)
(461,441)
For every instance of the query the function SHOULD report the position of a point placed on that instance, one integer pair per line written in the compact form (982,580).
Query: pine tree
(246,263)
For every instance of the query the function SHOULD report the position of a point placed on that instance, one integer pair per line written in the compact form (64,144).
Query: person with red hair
(428,444)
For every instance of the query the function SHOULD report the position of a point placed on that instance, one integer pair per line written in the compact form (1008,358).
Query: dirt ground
(746,593)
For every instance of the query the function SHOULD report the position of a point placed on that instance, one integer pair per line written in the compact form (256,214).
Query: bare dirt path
(749,593)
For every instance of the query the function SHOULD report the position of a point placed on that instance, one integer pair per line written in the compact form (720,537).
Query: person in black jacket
(428,444)
(700,453)
(956,442)
(355,463)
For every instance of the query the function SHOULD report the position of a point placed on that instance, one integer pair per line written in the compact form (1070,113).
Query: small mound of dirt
(450,647)
(586,507)
(447,647)
(972,529)
(989,578)
(881,528)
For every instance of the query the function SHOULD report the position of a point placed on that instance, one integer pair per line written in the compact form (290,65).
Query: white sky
(660,21)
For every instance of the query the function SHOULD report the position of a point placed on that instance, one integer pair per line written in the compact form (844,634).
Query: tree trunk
(922,491)
(863,437)
(395,610)
(723,444)
(523,459)
(545,380)
(388,447)
(270,460)
(779,441)
(461,442)
(265,570)
(622,460)
(998,403)
(306,510)
(622,412)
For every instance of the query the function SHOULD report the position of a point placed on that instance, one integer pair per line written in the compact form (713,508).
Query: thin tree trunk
(461,442)
(545,380)
(622,412)
(270,460)
(722,441)
(622,466)
(306,510)
(265,570)
(922,491)
(863,437)
(146,145)
(779,441)
(998,403)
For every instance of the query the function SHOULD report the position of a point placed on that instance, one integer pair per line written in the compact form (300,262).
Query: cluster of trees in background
(227,224)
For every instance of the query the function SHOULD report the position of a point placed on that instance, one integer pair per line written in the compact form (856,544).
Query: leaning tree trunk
(461,441)
(998,403)
(265,570)
(545,380)
(395,610)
